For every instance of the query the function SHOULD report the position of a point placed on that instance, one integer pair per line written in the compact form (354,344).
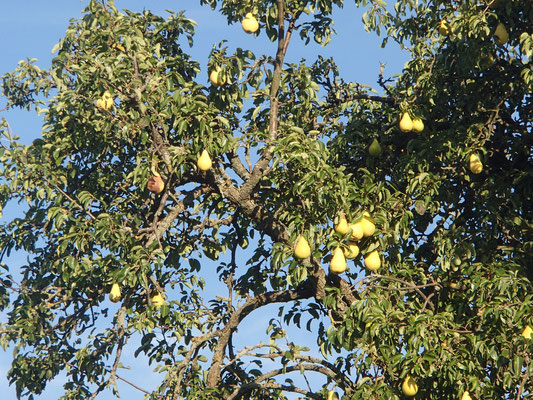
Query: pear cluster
(407,124)
(365,227)
(115,295)
(105,102)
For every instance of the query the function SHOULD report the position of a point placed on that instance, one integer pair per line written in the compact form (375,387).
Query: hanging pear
(466,396)
(337,264)
(375,148)
(367,224)
(158,300)
(357,231)
(406,123)
(409,386)
(352,251)
(204,161)
(444,28)
(249,23)
(302,249)
(418,125)
(373,261)
(475,164)
(527,332)
(114,294)
(501,35)
(342,226)
(216,77)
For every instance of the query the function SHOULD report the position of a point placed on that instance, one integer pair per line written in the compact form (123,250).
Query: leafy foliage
(289,144)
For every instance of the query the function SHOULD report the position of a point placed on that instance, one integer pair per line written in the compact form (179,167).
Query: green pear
(375,148)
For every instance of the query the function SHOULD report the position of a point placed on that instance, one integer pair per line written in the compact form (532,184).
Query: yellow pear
(332,395)
(475,164)
(338,262)
(466,396)
(373,261)
(250,24)
(302,249)
(527,332)
(357,231)
(409,386)
(418,125)
(406,123)
(342,226)
(158,300)
(444,28)
(114,294)
(352,251)
(204,161)
(501,35)
(217,77)
(375,148)
(368,225)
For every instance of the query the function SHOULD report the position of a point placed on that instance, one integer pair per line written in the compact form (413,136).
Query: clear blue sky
(31,28)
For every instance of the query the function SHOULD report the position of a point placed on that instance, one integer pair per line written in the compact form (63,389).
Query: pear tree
(154,177)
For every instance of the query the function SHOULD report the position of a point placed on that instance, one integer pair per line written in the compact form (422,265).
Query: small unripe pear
(373,261)
(158,300)
(342,226)
(352,251)
(406,123)
(375,148)
(249,23)
(114,294)
(302,249)
(418,125)
(501,35)
(475,164)
(204,161)
(409,386)
(337,264)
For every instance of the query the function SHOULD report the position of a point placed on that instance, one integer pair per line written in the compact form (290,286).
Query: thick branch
(250,305)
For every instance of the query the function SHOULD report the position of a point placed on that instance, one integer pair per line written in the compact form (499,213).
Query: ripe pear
(444,28)
(156,184)
(217,77)
(368,225)
(418,125)
(332,395)
(302,249)
(527,332)
(375,148)
(352,251)
(158,300)
(338,262)
(373,261)
(342,226)
(204,161)
(114,294)
(475,164)
(406,123)
(250,24)
(466,396)
(409,386)
(501,35)
(357,231)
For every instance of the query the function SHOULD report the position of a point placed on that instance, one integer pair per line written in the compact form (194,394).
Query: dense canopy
(392,225)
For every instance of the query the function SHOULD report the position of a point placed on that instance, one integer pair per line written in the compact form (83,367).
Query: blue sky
(31,28)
